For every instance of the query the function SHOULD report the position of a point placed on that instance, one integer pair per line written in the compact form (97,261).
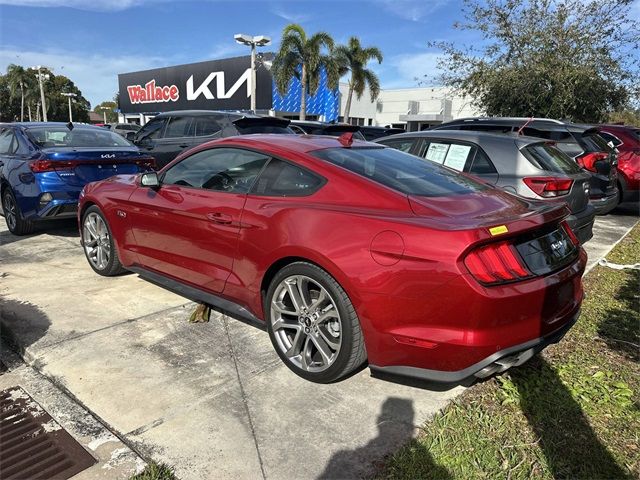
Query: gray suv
(525,166)
(168,134)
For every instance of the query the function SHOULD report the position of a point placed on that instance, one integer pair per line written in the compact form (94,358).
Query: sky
(91,41)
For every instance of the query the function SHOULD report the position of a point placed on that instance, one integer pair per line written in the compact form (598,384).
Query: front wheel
(98,244)
(312,324)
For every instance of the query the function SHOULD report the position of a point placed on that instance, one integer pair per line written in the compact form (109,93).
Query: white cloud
(414,10)
(406,70)
(95,75)
(289,16)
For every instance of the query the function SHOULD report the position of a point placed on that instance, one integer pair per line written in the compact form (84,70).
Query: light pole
(70,96)
(42,76)
(104,113)
(253,42)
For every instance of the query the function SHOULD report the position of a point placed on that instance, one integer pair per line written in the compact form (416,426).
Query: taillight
(570,234)
(40,166)
(588,160)
(496,263)
(549,186)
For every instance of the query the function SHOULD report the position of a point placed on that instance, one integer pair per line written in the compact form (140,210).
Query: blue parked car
(43,167)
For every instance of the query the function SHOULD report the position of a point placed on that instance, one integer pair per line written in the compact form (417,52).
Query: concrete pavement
(211,399)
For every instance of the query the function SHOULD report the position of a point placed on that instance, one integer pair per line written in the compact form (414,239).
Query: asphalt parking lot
(211,399)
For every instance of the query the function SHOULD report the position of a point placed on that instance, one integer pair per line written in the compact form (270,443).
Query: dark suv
(581,142)
(168,134)
(311,127)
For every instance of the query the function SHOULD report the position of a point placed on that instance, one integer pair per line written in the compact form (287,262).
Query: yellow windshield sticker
(498,230)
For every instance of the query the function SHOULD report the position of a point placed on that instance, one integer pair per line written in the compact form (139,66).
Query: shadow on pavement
(59,228)
(569,444)
(628,208)
(21,323)
(619,328)
(395,428)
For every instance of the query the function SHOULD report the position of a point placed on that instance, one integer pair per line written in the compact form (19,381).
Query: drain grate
(32,444)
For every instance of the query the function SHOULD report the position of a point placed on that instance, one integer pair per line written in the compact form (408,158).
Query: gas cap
(387,248)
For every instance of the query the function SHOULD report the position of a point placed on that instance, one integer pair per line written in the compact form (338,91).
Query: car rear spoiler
(244,122)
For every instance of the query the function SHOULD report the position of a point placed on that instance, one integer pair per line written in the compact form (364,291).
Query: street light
(41,76)
(104,113)
(253,42)
(70,96)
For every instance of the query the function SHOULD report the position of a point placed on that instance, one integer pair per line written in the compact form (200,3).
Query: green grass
(572,412)
(155,471)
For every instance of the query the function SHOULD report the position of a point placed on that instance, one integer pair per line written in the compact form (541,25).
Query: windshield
(400,171)
(61,136)
(547,157)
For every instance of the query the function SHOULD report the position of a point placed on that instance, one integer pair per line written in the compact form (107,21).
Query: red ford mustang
(349,252)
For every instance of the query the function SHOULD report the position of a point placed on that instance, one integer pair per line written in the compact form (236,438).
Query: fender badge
(500,229)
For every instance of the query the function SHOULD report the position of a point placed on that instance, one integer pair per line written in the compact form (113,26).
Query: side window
(151,130)
(205,126)
(178,127)
(282,179)
(481,164)
(8,143)
(452,155)
(404,145)
(219,169)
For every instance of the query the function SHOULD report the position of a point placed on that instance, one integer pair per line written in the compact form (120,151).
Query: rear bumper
(582,223)
(496,363)
(604,205)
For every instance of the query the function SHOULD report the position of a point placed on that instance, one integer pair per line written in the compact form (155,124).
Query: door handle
(221,218)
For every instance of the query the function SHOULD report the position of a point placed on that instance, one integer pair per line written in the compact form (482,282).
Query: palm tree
(20,79)
(301,57)
(353,58)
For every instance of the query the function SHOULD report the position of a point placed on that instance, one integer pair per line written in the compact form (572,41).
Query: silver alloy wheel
(9,209)
(97,245)
(306,323)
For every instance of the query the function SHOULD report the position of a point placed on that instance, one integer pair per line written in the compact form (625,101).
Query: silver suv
(525,166)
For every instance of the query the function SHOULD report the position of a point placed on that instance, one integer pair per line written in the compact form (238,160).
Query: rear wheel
(312,324)
(98,244)
(13,216)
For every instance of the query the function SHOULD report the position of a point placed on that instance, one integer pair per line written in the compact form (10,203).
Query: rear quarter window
(547,157)
(283,179)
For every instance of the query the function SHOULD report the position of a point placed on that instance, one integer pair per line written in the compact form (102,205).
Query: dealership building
(226,85)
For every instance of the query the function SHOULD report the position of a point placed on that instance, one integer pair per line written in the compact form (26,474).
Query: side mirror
(149,179)
(130,136)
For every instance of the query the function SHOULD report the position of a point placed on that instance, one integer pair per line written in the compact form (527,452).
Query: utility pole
(40,76)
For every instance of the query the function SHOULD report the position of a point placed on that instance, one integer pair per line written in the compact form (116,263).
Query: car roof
(28,125)
(469,136)
(196,113)
(548,123)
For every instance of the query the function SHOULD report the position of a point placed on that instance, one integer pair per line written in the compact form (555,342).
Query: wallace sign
(214,85)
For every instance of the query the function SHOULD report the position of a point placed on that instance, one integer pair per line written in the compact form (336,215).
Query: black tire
(110,267)
(351,353)
(13,215)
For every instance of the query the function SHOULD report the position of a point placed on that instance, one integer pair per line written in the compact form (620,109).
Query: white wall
(395,102)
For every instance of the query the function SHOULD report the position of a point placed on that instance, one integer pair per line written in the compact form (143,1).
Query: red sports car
(350,252)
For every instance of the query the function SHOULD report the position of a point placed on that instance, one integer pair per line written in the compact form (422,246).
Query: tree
(353,58)
(20,80)
(108,106)
(9,109)
(627,117)
(302,57)
(567,59)
(58,104)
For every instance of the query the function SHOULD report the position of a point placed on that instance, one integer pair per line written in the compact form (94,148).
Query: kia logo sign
(213,85)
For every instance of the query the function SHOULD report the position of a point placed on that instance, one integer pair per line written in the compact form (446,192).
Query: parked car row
(348,251)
